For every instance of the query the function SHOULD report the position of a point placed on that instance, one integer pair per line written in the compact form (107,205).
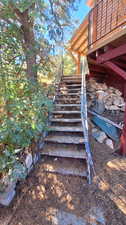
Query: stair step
(64,139)
(65,120)
(68,90)
(71,81)
(63,152)
(65,167)
(66,112)
(69,94)
(68,77)
(67,105)
(68,85)
(66,129)
(68,99)
(71,76)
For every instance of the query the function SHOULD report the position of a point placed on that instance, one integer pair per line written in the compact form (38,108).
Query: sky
(79,15)
(82,11)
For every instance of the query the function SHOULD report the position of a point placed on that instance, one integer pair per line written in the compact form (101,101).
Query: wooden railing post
(78,65)
(94,31)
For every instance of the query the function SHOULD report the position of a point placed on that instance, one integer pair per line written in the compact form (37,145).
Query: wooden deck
(107,22)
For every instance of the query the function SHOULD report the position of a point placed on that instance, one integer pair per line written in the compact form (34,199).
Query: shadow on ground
(51,199)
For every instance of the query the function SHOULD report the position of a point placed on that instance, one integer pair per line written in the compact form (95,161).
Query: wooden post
(94,38)
(123,135)
(78,71)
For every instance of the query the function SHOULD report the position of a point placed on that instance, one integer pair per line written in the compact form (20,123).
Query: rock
(113,107)
(104,87)
(99,107)
(122,108)
(109,143)
(7,196)
(118,101)
(29,161)
(111,97)
(97,216)
(117,92)
(94,130)
(55,159)
(100,136)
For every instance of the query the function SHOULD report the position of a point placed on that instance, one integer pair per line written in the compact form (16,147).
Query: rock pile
(102,99)
(101,137)
(110,98)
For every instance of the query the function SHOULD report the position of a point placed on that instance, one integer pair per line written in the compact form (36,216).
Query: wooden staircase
(65,142)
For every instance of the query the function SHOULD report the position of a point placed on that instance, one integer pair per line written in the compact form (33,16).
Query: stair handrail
(84,118)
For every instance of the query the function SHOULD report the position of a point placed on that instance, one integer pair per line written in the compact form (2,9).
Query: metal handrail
(84,118)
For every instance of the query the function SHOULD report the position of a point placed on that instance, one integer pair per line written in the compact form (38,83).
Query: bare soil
(43,194)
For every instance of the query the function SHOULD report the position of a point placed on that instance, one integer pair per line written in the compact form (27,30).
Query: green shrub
(24,111)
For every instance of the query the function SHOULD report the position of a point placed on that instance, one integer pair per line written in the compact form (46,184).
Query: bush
(24,109)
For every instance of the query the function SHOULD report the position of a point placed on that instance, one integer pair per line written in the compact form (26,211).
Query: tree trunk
(28,43)
(31,65)
(30,52)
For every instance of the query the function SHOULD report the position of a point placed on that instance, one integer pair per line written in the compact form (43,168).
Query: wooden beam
(116,69)
(82,47)
(111,54)
(79,31)
(121,64)
(95,68)
(109,38)
(78,65)
(80,42)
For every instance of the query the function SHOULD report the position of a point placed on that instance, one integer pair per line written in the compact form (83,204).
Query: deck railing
(106,17)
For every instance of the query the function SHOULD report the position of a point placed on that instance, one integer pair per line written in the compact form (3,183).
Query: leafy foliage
(24,110)
(35,25)
(28,31)
(69,65)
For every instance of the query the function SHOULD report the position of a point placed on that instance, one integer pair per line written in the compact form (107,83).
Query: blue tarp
(109,129)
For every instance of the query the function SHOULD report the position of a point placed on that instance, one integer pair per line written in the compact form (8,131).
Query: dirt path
(50,199)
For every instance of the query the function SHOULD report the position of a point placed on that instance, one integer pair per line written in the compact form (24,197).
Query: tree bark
(28,42)
(30,52)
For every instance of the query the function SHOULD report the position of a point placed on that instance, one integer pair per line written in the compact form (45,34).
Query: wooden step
(69,85)
(68,99)
(63,139)
(68,90)
(65,120)
(71,77)
(65,152)
(65,167)
(69,94)
(67,105)
(71,81)
(66,112)
(66,129)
